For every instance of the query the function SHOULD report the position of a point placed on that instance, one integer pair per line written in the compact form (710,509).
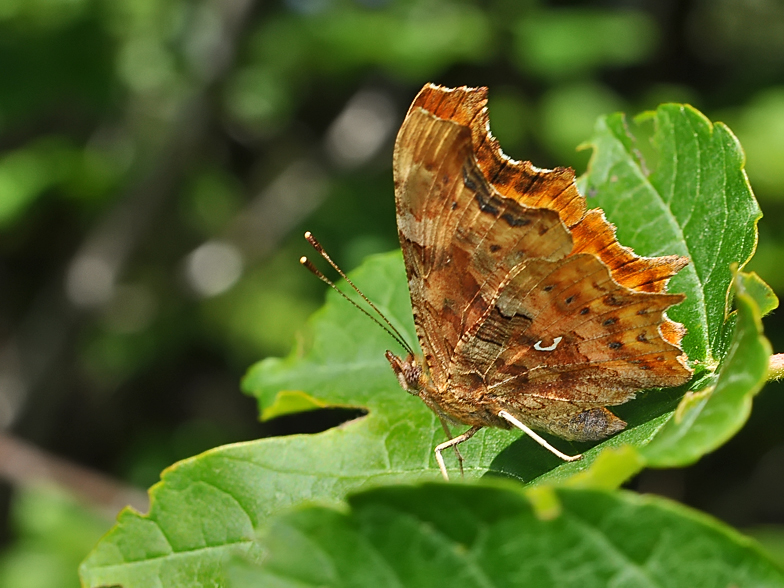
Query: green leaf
(611,469)
(209,507)
(763,295)
(706,419)
(696,203)
(454,535)
(771,538)
(709,215)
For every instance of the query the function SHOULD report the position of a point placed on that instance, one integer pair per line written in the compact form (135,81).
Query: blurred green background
(160,159)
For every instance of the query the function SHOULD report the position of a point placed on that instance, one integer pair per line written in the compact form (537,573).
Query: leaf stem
(776,367)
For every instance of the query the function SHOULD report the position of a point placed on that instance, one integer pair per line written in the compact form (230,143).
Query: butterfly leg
(512,420)
(452,443)
(449,436)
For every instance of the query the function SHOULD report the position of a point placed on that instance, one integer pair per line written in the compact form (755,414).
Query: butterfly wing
(563,340)
(522,300)
(460,238)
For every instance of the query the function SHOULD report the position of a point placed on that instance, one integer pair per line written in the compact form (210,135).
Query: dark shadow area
(311,421)
(528,460)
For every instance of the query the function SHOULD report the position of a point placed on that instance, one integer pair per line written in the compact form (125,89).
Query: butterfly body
(524,303)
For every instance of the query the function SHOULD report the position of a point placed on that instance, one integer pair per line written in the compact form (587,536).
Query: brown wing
(523,301)
(460,238)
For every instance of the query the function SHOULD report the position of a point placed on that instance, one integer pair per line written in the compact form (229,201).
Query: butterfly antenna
(386,325)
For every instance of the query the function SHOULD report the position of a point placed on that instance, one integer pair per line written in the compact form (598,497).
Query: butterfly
(528,311)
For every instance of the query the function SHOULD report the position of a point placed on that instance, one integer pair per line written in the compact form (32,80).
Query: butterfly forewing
(460,238)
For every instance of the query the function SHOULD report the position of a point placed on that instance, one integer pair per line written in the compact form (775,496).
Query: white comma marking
(556,341)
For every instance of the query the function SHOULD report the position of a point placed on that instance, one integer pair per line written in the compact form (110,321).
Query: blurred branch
(363,128)
(23,464)
(106,250)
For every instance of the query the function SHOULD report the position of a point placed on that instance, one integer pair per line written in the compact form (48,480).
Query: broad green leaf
(696,202)
(710,216)
(611,469)
(480,536)
(207,508)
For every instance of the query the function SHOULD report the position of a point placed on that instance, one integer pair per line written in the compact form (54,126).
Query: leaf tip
(611,468)
(290,401)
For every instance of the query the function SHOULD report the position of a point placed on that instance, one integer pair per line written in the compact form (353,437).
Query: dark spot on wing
(486,204)
(610,321)
(615,345)
(513,221)
(468,181)
(585,310)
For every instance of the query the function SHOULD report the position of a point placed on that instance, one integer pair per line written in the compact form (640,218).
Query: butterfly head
(408,371)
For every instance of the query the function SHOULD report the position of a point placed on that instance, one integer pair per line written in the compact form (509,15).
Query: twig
(25,465)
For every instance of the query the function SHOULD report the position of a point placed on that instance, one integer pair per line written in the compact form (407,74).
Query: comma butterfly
(529,313)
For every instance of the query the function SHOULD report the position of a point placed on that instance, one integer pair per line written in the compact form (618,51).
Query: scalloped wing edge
(554,189)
